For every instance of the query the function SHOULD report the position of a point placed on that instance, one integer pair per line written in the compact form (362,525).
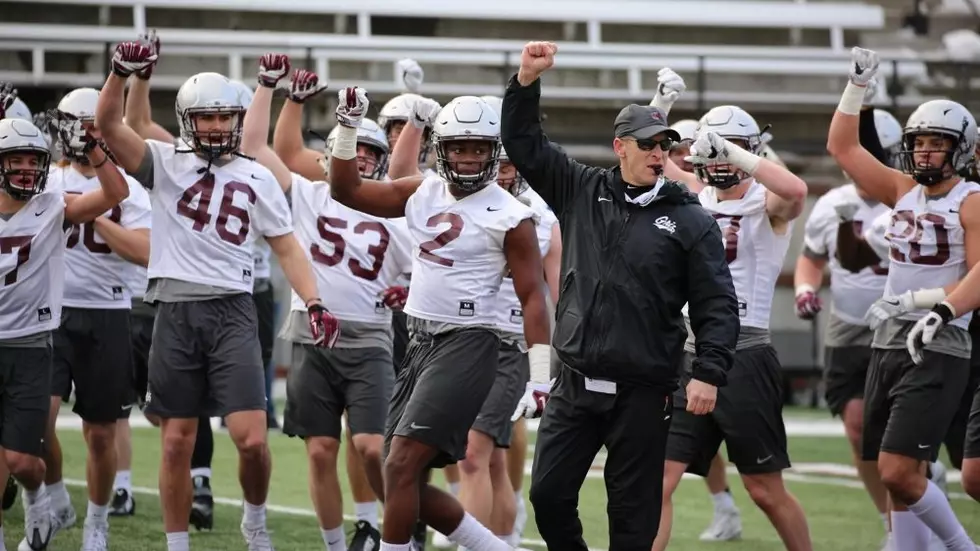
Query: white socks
(335,539)
(723,501)
(935,512)
(123,480)
(396,546)
(59,496)
(178,541)
(476,537)
(367,511)
(201,471)
(97,514)
(254,515)
(908,532)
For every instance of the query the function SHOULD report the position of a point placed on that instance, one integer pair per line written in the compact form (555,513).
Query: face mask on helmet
(373,165)
(508,177)
(926,156)
(722,175)
(210,112)
(468,164)
(24,159)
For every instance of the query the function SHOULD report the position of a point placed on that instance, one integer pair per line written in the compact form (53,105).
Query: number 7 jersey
(458,260)
(206,222)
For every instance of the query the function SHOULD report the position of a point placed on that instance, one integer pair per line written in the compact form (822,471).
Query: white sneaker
(725,526)
(38,523)
(938,472)
(440,541)
(521,520)
(61,519)
(96,536)
(257,538)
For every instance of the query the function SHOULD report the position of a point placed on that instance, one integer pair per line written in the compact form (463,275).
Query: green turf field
(841,517)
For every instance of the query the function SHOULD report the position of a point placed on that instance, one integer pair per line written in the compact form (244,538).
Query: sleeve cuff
(531,89)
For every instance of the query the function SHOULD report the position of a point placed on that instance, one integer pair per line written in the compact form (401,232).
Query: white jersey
(96,277)
(32,267)
(355,256)
(458,257)
(510,313)
(754,251)
(263,260)
(205,224)
(852,293)
(928,244)
(137,282)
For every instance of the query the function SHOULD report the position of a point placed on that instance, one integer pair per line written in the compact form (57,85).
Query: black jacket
(626,270)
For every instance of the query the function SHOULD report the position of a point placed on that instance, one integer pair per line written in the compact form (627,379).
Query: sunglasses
(650,144)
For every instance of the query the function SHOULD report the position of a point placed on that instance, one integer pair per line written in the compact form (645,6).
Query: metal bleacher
(593,66)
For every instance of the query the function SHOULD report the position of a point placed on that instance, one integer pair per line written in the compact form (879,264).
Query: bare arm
(552,264)
(787,191)
(132,245)
(809,271)
(255,138)
(114,189)
(404,159)
(139,115)
(385,199)
(524,260)
(295,265)
(288,144)
(126,145)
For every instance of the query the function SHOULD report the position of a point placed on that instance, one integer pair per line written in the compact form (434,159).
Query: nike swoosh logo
(413,426)
(923,446)
(491,209)
(601,199)
(254,177)
(892,302)
(40,213)
(763,460)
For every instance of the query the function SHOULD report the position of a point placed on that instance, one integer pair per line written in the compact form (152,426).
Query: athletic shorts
(845,370)
(25,398)
(513,373)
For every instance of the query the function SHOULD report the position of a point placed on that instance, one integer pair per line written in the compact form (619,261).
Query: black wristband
(944,312)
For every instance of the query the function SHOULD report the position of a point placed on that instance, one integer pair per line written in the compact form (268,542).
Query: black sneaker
(366,537)
(10,493)
(202,508)
(123,504)
(419,536)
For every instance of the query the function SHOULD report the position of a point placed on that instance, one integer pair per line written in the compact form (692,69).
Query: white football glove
(133,57)
(305,84)
(532,403)
(352,105)
(864,65)
(409,74)
(272,69)
(670,86)
(925,330)
(846,211)
(709,148)
(424,112)
(889,307)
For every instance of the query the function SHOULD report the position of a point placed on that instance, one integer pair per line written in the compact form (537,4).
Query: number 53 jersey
(355,256)
(207,217)
(458,259)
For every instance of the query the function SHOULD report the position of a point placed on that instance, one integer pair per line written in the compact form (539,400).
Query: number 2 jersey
(755,254)
(206,220)
(32,269)
(96,277)
(458,260)
(928,250)
(852,293)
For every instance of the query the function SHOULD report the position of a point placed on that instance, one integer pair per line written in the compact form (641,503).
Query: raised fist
(305,85)
(72,134)
(536,58)
(709,148)
(424,112)
(153,40)
(132,57)
(7,96)
(409,74)
(352,105)
(272,69)
(864,65)
(670,86)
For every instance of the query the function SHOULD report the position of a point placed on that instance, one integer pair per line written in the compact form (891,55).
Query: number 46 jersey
(458,261)
(355,256)
(206,219)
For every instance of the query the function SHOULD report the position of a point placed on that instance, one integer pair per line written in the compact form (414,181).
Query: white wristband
(539,356)
(345,144)
(927,298)
(852,100)
(803,288)
(742,159)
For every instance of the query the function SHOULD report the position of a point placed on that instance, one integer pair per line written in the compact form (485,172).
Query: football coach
(636,248)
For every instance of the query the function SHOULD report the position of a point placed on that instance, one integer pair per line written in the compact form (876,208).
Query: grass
(841,517)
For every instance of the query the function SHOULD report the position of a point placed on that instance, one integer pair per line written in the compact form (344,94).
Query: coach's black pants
(632,424)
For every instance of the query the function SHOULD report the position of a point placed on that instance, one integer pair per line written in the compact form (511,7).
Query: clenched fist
(153,40)
(7,96)
(670,86)
(352,105)
(305,85)
(424,112)
(409,74)
(272,69)
(132,57)
(536,58)
(864,65)
(701,397)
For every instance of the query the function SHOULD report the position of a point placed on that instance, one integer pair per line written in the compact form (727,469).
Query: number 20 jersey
(355,256)
(928,244)
(32,268)
(205,224)
(458,257)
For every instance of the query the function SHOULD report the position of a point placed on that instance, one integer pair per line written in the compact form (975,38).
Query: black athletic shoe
(419,536)
(10,493)
(202,508)
(366,537)
(123,504)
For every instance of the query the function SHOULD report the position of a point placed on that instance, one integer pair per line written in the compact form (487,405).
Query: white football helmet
(246,93)
(889,136)
(19,110)
(79,103)
(399,110)
(371,135)
(496,102)
(18,136)
(467,118)
(686,128)
(946,118)
(210,94)
(736,125)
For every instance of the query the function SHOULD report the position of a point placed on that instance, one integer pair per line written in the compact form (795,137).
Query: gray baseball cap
(643,122)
